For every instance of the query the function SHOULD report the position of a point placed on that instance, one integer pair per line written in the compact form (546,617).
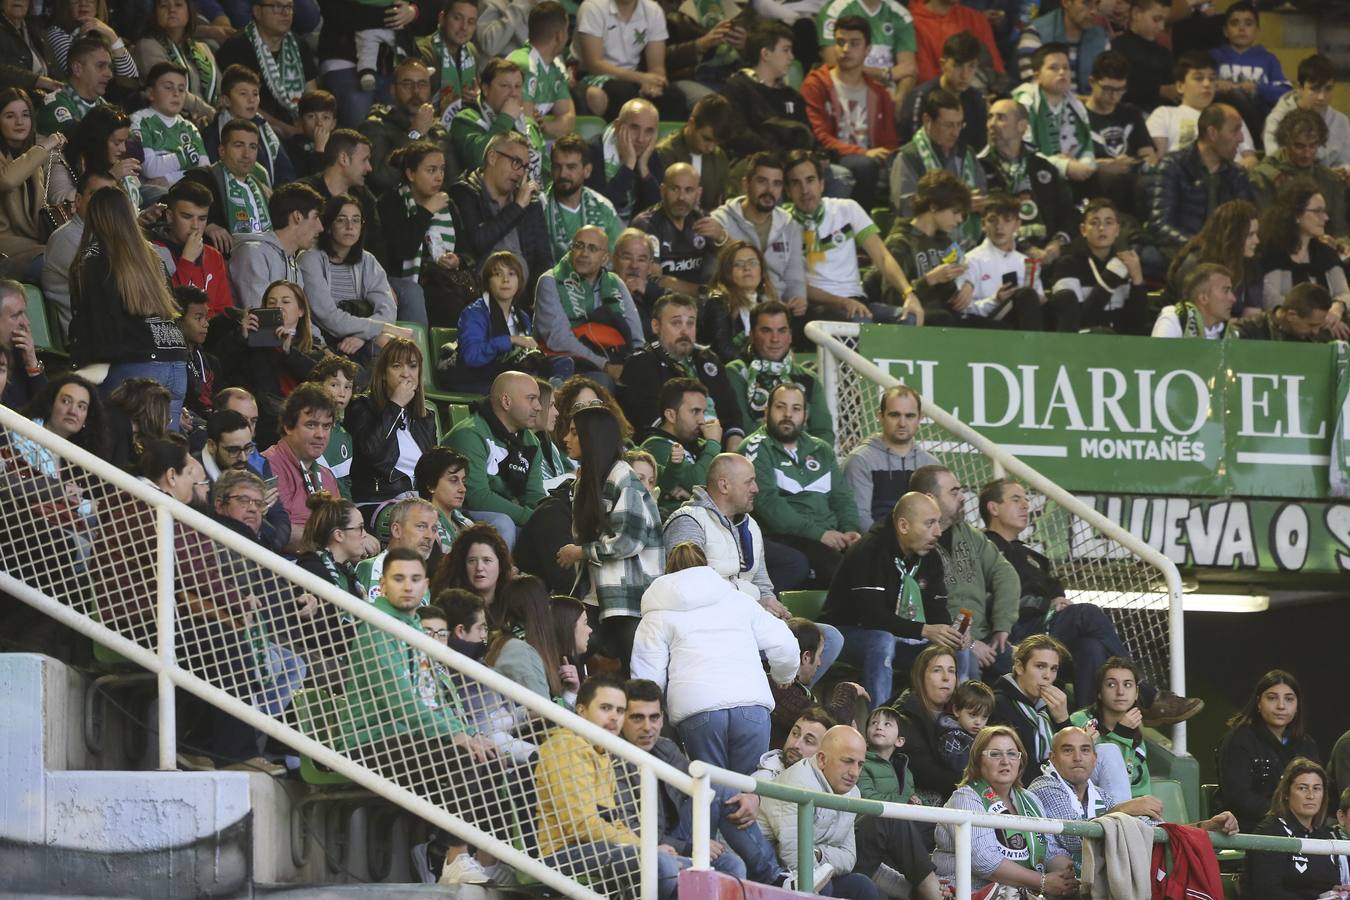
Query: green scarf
(909,605)
(1045,122)
(1026,848)
(708,13)
(285,81)
(763,377)
(592,213)
(964,166)
(577,294)
(453,73)
(440,236)
(202,61)
(246,204)
(1045,736)
(1192,322)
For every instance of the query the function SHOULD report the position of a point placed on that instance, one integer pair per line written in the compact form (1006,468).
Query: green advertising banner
(1176,418)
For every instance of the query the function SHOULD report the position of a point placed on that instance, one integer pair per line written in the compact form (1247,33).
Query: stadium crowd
(242,217)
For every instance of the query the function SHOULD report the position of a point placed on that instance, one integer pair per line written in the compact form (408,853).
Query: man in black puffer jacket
(1182,197)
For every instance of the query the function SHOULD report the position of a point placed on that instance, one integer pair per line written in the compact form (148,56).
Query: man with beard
(570,204)
(229,448)
(767,363)
(687,236)
(804,499)
(411,117)
(684,444)
(306,423)
(585,311)
(754,217)
(412,526)
(673,354)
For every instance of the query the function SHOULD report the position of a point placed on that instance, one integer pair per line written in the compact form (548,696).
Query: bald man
(1013,167)
(689,237)
(889,597)
(631,172)
(504,481)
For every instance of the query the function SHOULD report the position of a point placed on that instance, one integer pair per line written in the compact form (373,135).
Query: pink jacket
(291,484)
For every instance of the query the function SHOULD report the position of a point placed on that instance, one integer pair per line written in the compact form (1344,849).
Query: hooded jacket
(801,493)
(700,640)
(866,588)
(504,475)
(823,110)
(1018,711)
(880,477)
(783,254)
(258,260)
(979,579)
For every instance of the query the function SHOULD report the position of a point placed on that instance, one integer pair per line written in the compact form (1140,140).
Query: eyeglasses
(201,484)
(745,264)
(348,220)
(439,633)
(589,248)
(359,526)
(1000,755)
(250,502)
(239,451)
(517,164)
(1111,89)
(408,84)
(1316,210)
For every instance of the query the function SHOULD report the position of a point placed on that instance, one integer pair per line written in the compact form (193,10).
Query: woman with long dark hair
(1294,232)
(349,293)
(618,526)
(419,229)
(333,541)
(1230,238)
(171,36)
(99,144)
(741,282)
(525,647)
(1262,739)
(580,391)
(479,562)
(390,425)
(138,412)
(1298,809)
(122,311)
(24,190)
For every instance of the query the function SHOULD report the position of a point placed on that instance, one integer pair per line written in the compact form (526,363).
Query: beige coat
(20,236)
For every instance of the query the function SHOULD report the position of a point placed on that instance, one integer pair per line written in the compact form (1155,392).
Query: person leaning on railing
(1026,859)
(1298,810)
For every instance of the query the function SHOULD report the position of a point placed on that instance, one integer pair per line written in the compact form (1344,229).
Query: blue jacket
(1051,29)
(1255,64)
(1180,202)
(484,338)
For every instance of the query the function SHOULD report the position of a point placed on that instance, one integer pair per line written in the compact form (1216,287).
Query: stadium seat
(45,336)
(1173,801)
(665,128)
(796,75)
(315,709)
(884,217)
(806,604)
(589,126)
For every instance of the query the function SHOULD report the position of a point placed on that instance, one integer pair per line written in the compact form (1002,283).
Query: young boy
(1316,82)
(318,118)
(172,143)
(241,95)
(1100,288)
(1120,137)
(972,703)
(1247,69)
(960,63)
(196,263)
(338,374)
(1059,124)
(204,372)
(885,772)
(790,702)
(1007,284)
(927,251)
(1174,127)
(1151,63)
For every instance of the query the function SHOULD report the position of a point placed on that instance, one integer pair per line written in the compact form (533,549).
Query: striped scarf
(439,239)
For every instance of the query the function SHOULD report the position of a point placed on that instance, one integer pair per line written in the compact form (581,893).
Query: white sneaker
(500,873)
(464,869)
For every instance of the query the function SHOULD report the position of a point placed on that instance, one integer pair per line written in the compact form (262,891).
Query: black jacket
(1180,202)
(479,228)
(1284,876)
(866,587)
(765,117)
(684,254)
(629,193)
(402,234)
(920,731)
(718,330)
(1251,761)
(102,331)
(1039,584)
(1010,709)
(650,367)
(1056,217)
(375,450)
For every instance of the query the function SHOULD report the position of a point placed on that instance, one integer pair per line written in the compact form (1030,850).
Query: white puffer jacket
(700,640)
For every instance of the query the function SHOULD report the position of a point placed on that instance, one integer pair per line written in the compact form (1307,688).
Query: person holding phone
(928,252)
(1006,282)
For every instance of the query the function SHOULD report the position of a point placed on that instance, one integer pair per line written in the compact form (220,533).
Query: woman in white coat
(700,639)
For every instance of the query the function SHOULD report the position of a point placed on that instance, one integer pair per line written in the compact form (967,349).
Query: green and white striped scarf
(285,81)
(439,239)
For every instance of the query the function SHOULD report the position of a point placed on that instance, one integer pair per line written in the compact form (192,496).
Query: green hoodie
(878,780)
(382,688)
(979,579)
(803,493)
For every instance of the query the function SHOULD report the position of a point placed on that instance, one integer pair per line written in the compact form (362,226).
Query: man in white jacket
(700,640)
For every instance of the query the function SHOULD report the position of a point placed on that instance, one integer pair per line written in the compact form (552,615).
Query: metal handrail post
(648,801)
(164,626)
(806,848)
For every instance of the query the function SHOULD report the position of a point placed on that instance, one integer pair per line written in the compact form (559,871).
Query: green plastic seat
(1173,800)
(665,128)
(884,217)
(317,711)
(796,75)
(45,337)
(589,126)
(806,604)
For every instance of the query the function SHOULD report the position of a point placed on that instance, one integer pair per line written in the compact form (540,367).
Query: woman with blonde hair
(122,312)
(390,425)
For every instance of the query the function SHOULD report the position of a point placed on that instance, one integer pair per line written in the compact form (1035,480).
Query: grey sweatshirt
(879,476)
(783,255)
(371,283)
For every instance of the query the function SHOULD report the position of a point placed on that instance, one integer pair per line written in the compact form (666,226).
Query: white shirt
(1177,124)
(1169,326)
(986,266)
(623,41)
(831,249)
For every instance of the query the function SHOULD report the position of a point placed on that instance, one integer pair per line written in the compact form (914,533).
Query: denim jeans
(616,868)
(412,303)
(505,525)
(731,738)
(173,375)
(354,103)
(878,654)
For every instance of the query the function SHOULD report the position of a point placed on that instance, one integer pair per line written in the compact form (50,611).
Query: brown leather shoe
(1169,709)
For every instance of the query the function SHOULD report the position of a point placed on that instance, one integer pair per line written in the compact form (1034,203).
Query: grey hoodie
(257,261)
(783,255)
(879,476)
(371,284)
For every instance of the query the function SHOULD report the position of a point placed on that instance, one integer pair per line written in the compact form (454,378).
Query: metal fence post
(648,830)
(702,815)
(806,848)
(168,715)
(963,861)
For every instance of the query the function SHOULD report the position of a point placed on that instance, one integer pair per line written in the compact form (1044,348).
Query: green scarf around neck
(1026,848)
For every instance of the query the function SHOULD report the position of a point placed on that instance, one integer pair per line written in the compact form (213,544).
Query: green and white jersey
(340,449)
(831,239)
(368,572)
(594,209)
(172,144)
(545,83)
(892,28)
(62,110)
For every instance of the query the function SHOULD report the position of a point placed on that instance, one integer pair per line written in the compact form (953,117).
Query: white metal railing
(76,561)
(1094,556)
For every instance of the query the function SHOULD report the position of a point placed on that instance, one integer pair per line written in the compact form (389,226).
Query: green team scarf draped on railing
(439,239)
(1026,848)
(285,80)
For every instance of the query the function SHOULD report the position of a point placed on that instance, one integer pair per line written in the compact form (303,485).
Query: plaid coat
(629,554)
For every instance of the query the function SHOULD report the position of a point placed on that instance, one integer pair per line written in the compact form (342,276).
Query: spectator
(138,412)
(619,528)
(62,246)
(959,64)
(1075,27)
(674,354)
(636,263)
(1026,859)
(1006,283)
(818,646)
(1316,82)
(740,283)
(887,611)
(69,407)
(1195,180)
(495,333)
(334,540)
(239,187)
(802,741)
(504,480)
(580,392)
(698,638)
(582,797)
(287,66)
(1263,738)
(1300,138)
(500,209)
(1296,248)
(890,43)
(70,23)
(622,54)
(971,705)
(585,311)
(26,371)
(528,636)
(885,774)
(88,62)
(391,427)
(1095,286)
(1230,238)
(929,251)
(171,143)
(937,144)
(499,109)
(99,144)
(338,374)
(230,447)
(345,163)
(261,259)
(688,236)
(349,294)
(240,99)
(318,118)
(123,313)
(570,203)
(767,112)
(1060,127)
(1120,138)
(1116,717)
(1013,167)
(1206,308)
(422,236)
(851,113)
(937,20)
(392,127)
(479,562)
(1174,127)
(439,478)
(452,57)
(834,230)
(196,264)
(412,527)
(685,443)
(1151,63)
(306,422)
(30,65)
(1028,701)
(1248,72)
(879,469)
(631,172)
(557,468)
(756,213)
(698,143)
(23,184)
(1301,317)
(548,100)
(1298,809)
(768,362)
(924,709)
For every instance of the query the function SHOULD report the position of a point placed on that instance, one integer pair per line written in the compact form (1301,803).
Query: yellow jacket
(578,795)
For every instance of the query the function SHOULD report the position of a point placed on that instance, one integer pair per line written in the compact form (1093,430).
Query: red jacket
(932,30)
(1195,867)
(209,274)
(822,110)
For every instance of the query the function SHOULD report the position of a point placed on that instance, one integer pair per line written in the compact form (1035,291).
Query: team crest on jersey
(812,464)
(1043,176)
(710,368)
